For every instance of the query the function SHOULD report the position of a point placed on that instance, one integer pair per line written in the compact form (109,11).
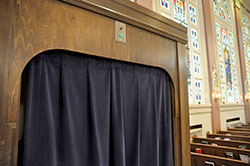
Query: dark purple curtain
(85,111)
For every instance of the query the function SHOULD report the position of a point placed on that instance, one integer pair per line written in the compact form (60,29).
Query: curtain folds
(85,111)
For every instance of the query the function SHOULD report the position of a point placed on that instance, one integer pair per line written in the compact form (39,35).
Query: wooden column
(211,58)
(183,87)
(241,55)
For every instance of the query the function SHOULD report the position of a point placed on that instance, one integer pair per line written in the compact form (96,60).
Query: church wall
(202,113)
(233,111)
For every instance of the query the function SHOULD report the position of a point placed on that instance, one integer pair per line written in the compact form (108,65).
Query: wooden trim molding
(132,13)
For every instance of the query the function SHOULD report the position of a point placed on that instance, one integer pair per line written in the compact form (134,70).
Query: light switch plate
(120,32)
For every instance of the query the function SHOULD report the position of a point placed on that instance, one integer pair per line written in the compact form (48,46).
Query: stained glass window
(225,4)
(198,95)
(223,93)
(225,49)
(234,75)
(230,94)
(217,27)
(231,39)
(219,51)
(197,65)
(190,91)
(228,67)
(165,4)
(222,71)
(222,13)
(247,32)
(229,19)
(195,41)
(245,27)
(222,9)
(186,12)
(192,12)
(180,11)
(224,36)
(215,6)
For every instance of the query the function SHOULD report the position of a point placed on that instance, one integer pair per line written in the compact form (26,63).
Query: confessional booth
(91,83)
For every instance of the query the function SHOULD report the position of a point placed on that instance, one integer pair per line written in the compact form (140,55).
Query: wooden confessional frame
(29,27)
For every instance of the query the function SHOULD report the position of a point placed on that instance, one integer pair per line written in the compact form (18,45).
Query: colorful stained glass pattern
(225,49)
(228,67)
(180,11)
(192,11)
(197,64)
(222,9)
(198,94)
(223,93)
(215,6)
(165,4)
(222,13)
(231,39)
(190,91)
(229,18)
(222,71)
(195,41)
(217,28)
(225,4)
(224,36)
(219,51)
(245,27)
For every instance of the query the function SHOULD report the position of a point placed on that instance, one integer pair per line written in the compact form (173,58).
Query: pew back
(219,150)
(231,137)
(234,132)
(230,143)
(239,129)
(200,159)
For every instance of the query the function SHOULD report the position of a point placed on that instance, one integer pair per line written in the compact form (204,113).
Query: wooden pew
(238,129)
(200,159)
(219,150)
(220,142)
(234,132)
(245,127)
(231,137)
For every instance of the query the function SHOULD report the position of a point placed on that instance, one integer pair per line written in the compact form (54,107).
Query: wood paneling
(136,15)
(30,27)
(183,98)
